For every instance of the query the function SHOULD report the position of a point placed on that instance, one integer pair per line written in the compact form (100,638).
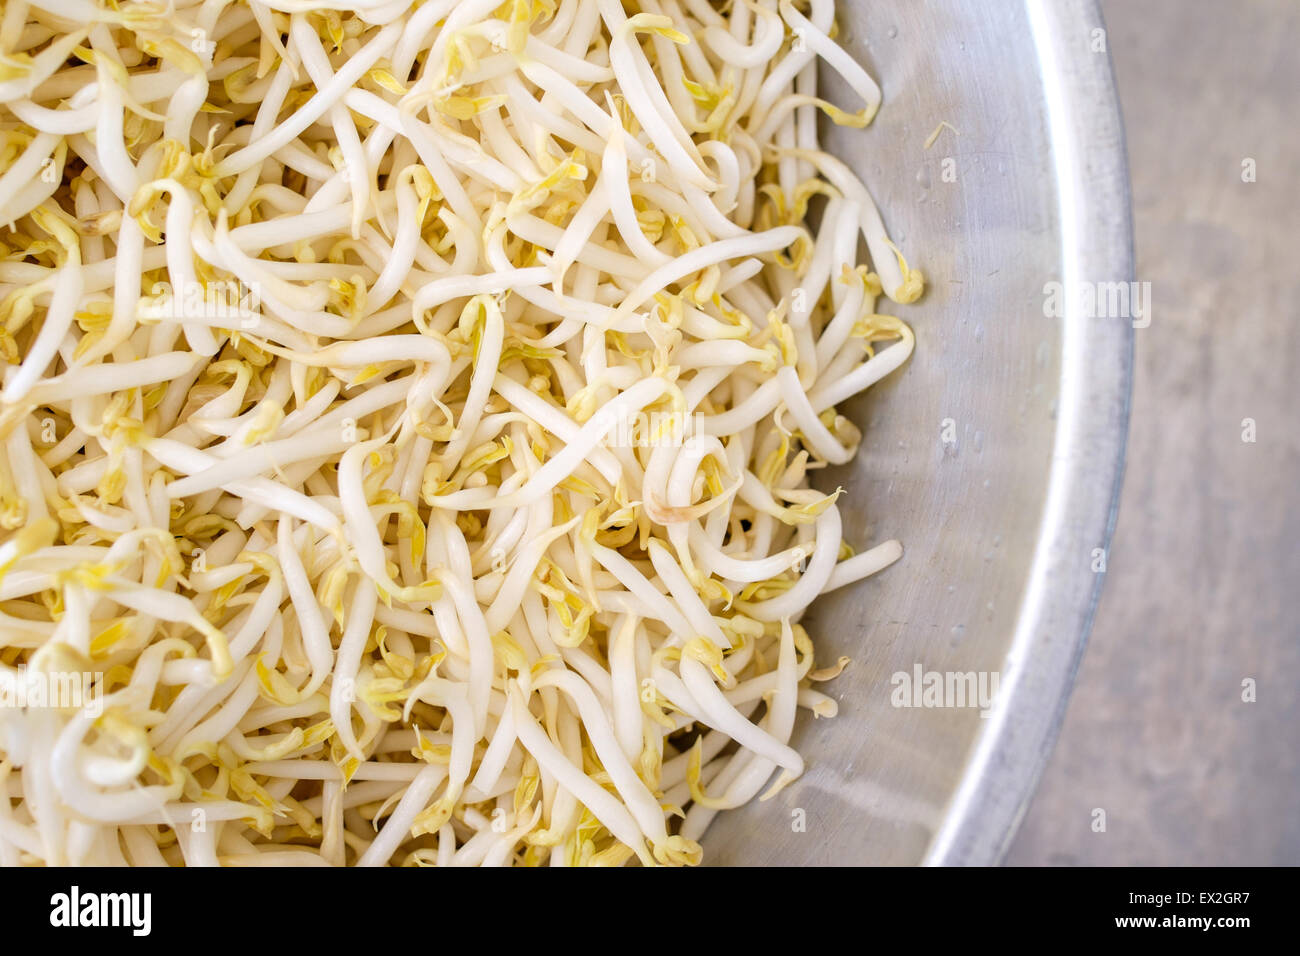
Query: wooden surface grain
(1203,579)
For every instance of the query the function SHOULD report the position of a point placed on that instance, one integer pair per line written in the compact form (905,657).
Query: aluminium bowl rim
(1062,591)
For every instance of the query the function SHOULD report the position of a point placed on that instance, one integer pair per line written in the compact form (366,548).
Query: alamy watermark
(133,911)
(54,690)
(227,302)
(648,429)
(945,689)
(1099,300)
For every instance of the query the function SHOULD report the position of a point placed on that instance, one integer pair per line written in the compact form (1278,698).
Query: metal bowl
(995,455)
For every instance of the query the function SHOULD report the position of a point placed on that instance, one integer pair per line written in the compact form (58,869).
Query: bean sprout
(409,414)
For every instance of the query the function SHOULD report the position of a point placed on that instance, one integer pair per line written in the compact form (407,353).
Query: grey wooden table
(1203,584)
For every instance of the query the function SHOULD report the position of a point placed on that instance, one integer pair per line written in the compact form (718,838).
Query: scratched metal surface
(998,526)
(1203,586)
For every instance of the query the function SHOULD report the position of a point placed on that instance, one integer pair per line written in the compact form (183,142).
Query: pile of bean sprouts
(408,416)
